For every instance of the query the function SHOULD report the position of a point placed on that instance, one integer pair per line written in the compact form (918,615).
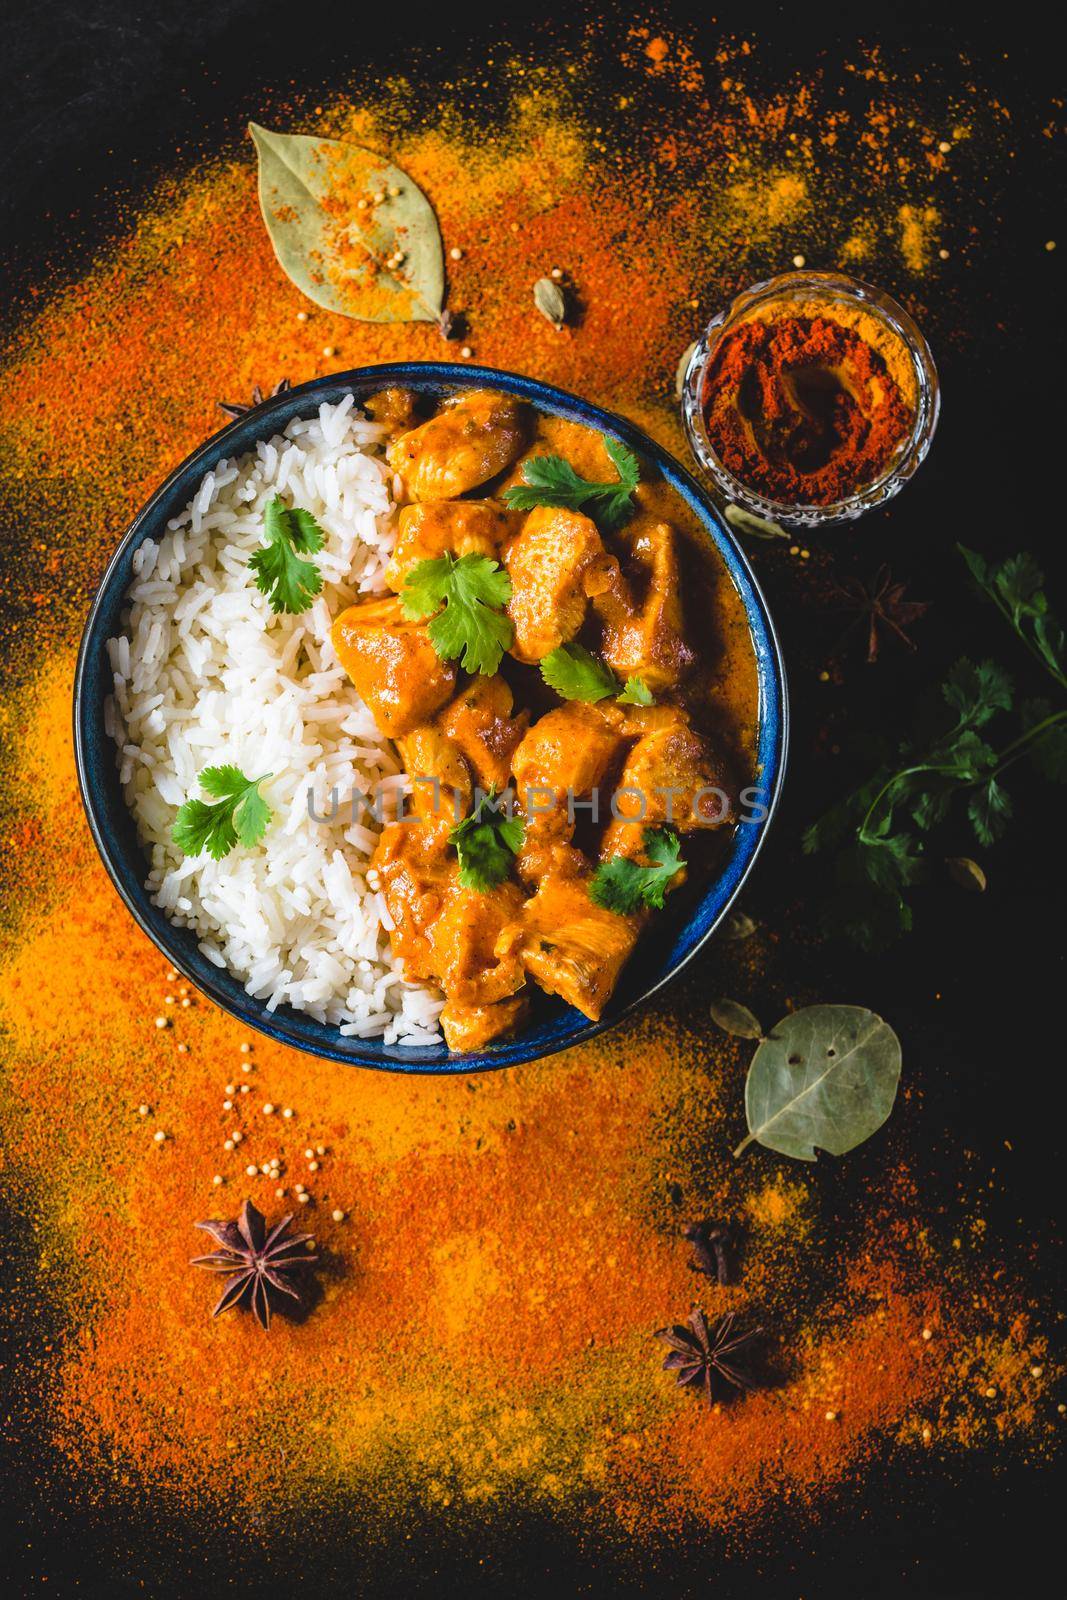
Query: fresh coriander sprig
(240,815)
(622,885)
(289,582)
(577,674)
(552,481)
(1016,588)
(464,596)
(879,831)
(486,843)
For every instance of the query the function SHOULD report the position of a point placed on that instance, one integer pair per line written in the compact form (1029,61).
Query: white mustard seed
(217,1179)
(162,1022)
(142,1111)
(268,1109)
(159,1136)
(287,1111)
(250,1171)
(338,1215)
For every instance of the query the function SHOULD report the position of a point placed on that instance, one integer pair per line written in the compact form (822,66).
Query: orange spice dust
(509,1242)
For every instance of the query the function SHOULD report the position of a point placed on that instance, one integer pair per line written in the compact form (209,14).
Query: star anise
(713,1249)
(234,408)
(705,1357)
(880,605)
(262,1265)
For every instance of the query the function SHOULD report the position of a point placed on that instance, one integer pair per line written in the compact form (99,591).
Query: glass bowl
(804,288)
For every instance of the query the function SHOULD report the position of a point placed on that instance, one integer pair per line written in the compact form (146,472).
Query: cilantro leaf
(487,844)
(989,811)
(289,582)
(977,693)
(552,481)
(1016,588)
(635,693)
(240,815)
(576,674)
(468,594)
(622,885)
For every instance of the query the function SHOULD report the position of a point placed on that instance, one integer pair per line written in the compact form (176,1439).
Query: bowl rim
(270,416)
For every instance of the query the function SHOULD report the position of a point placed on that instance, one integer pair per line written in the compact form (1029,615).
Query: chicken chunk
(417,877)
(572,946)
(469,441)
(473,1027)
(566,755)
(480,723)
(393,409)
(642,610)
(395,668)
(556,562)
(433,528)
(476,943)
(671,775)
(468,941)
(440,779)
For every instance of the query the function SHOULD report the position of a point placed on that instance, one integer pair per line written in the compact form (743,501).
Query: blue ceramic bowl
(665,948)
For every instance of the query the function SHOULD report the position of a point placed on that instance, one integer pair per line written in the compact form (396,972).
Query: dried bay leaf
(338,216)
(756,527)
(732,1017)
(826,1077)
(967,873)
(550,301)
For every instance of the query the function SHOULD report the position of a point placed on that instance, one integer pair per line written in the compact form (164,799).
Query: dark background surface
(101,96)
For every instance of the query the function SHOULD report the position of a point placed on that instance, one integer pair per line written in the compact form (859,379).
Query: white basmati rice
(205,673)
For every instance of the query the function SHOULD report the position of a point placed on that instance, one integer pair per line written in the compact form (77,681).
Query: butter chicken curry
(568,675)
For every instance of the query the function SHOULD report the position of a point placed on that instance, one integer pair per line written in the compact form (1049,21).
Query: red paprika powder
(804,408)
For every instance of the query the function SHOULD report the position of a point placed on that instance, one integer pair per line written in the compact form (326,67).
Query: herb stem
(906,772)
(1012,752)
